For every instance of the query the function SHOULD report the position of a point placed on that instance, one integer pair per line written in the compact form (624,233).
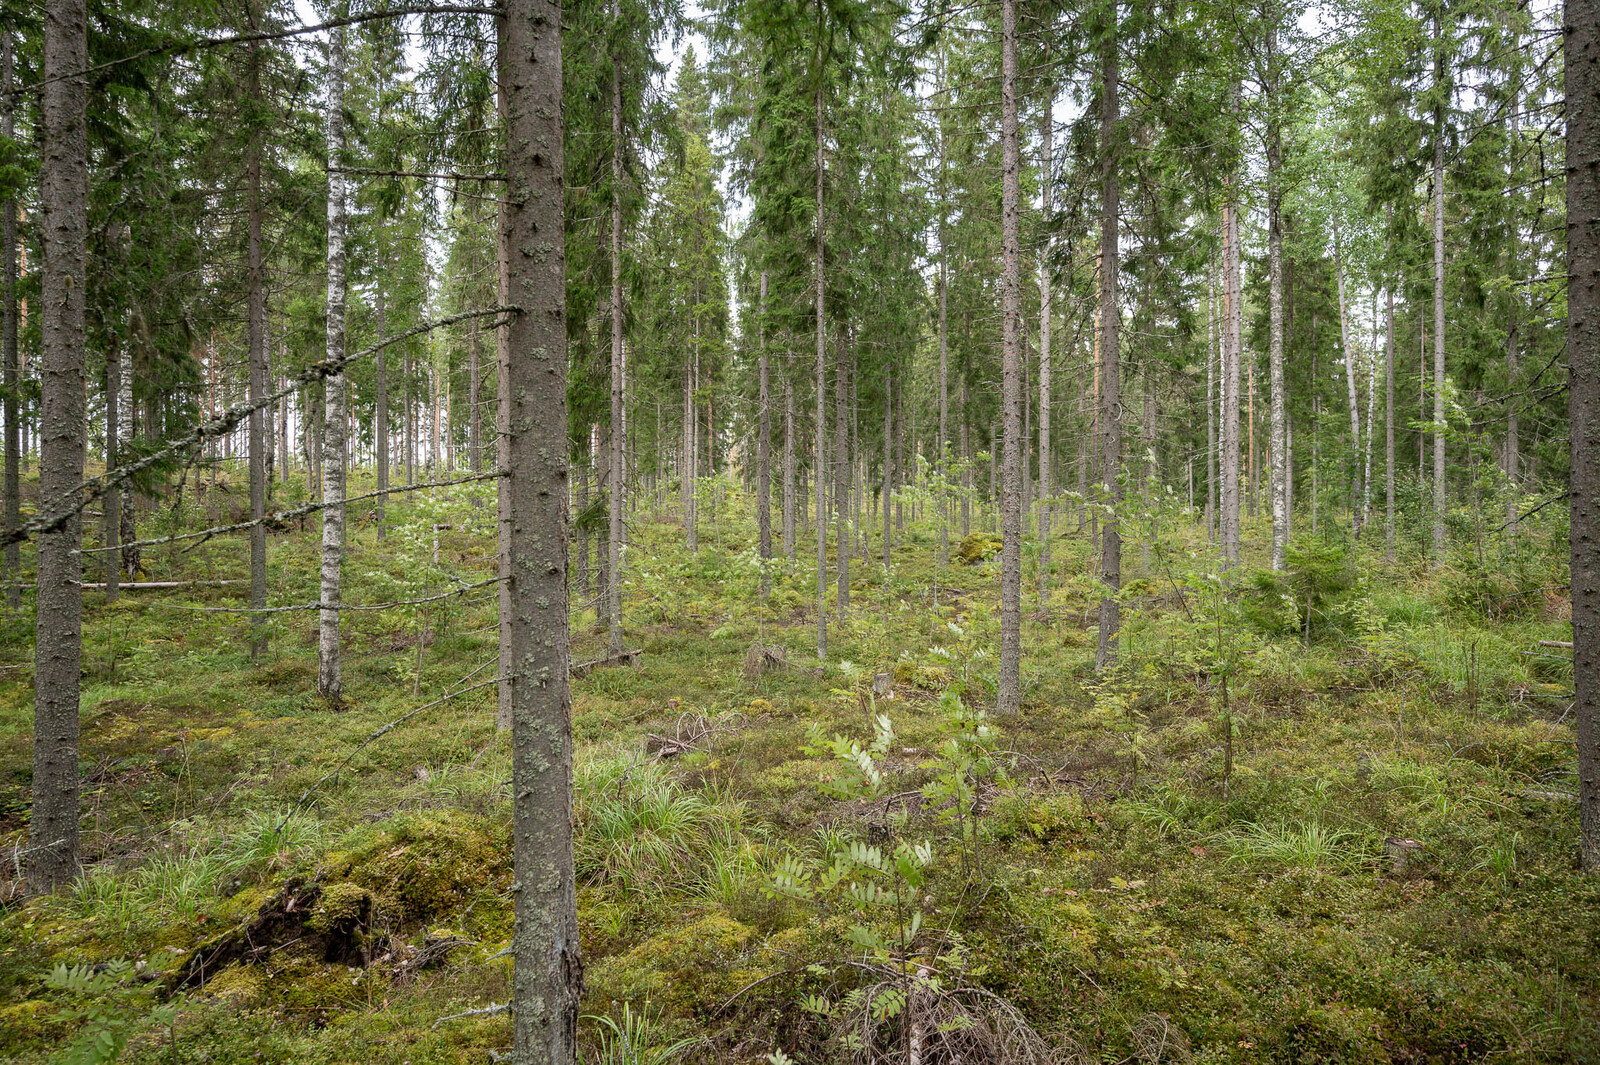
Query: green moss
(978,547)
(689,970)
(342,908)
(431,865)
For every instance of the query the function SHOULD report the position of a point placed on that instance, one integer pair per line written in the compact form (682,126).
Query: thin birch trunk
(329,682)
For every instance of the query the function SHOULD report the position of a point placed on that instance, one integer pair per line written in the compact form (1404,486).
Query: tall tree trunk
(1438,307)
(1513,456)
(547,978)
(1231,357)
(1582,44)
(841,472)
(942,449)
(256,328)
(1372,413)
(1278,474)
(1046,487)
(888,469)
(1388,423)
(110,518)
(763,443)
(1110,408)
(63,230)
(8,338)
(1213,355)
(819,454)
(617,497)
(1350,382)
(1008,688)
(329,683)
(789,499)
(380,417)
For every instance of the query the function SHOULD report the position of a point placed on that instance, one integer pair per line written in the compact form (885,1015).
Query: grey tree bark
(1212,356)
(1388,423)
(110,518)
(819,454)
(1438,311)
(329,682)
(1350,382)
(1046,487)
(1278,479)
(8,338)
(1581,30)
(1231,355)
(841,474)
(763,442)
(548,976)
(63,231)
(380,415)
(617,439)
(1008,688)
(1110,412)
(789,499)
(256,329)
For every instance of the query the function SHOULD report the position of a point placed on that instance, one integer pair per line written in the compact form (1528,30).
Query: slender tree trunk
(888,469)
(329,683)
(1350,382)
(110,519)
(63,200)
(1213,354)
(1278,474)
(819,455)
(841,473)
(1372,413)
(8,338)
(256,328)
(547,978)
(1008,688)
(943,448)
(615,530)
(475,397)
(1438,314)
(1046,486)
(763,443)
(1231,358)
(788,469)
(380,417)
(1582,44)
(1110,409)
(1388,423)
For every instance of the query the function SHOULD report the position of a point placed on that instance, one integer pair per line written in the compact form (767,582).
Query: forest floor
(1193,858)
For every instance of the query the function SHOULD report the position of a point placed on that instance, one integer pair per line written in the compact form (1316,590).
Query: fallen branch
(621,658)
(150,586)
(1556,643)
(487,1011)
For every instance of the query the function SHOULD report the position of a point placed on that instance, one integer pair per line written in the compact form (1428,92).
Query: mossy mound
(688,971)
(426,866)
(979,547)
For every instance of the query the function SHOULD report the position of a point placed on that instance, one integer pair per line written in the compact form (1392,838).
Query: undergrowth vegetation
(1322,816)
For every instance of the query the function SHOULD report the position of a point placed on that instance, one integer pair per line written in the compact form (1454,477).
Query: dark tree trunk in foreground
(64,224)
(1582,31)
(548,976)
(1110,340)
(1008,690)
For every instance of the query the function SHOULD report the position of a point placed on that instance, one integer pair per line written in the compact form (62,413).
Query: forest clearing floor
(1244,844)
